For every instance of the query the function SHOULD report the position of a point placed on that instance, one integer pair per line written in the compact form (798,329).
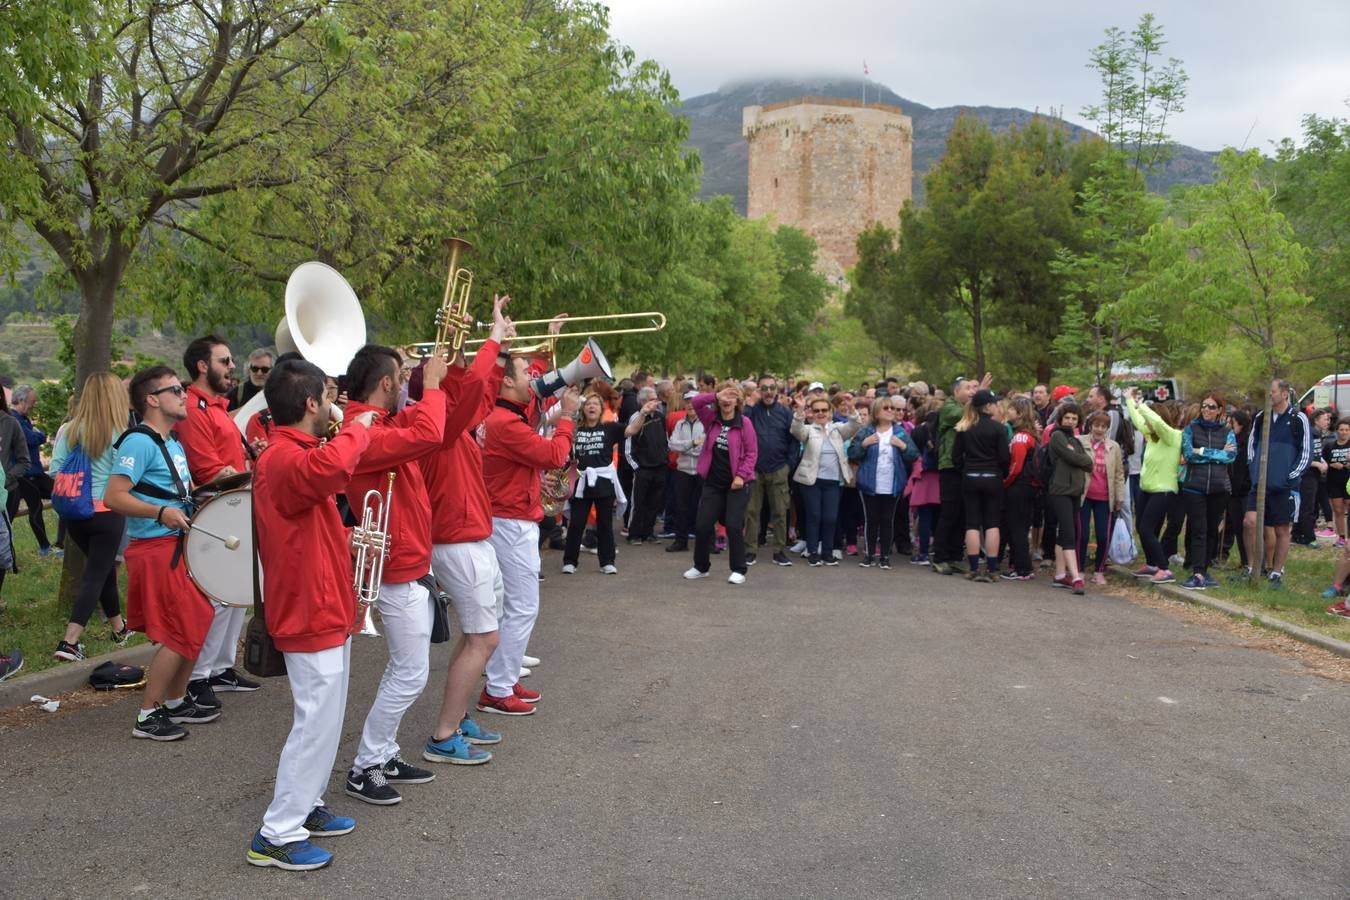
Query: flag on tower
(865,72)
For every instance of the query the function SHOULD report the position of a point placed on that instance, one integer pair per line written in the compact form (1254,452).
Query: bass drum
(224,575)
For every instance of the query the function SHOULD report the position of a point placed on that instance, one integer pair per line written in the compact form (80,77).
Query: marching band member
(310,604)
(461,557)
(149,485)
(214,449)
(513,455)
(398,439)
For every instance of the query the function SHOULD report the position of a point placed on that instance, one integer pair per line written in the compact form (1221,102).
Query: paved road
(815,733)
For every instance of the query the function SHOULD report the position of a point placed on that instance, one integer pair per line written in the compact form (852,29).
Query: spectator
(35,485)
(773,435)
(260,363)
(1209,446)
(1070,464)
(726,465)
(686,442)
(884,451)
(1104,493)
(980,453)
(823,468)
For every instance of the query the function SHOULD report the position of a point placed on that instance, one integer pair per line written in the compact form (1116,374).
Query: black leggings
(1156,507)
(1020,509)
(604,529)
(879,523)
(1203,514)
(982,495)
(949,540)
(98,538)
(32,490)
(1065,510)
(728,507)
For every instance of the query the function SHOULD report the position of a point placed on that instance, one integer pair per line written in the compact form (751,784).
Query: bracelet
(504,355)
(159,516)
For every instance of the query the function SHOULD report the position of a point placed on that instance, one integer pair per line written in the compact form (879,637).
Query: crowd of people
(480,465)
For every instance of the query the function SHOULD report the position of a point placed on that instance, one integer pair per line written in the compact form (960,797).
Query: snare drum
(226,576)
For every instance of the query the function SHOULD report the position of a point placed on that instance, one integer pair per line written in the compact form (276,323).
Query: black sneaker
(885,562)
(781,558)
(399,771)
(814,560)
(190,712)
(120,638)
(10,663)
(372,786)
(751,559)
(159,727)
(831,560)
(866,562)
(677,547)
(230,680)
(201,694)
(69,652)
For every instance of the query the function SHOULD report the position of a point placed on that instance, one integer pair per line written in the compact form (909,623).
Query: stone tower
(831,167)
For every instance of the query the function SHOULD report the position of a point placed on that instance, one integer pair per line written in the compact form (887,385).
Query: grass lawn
(31,616)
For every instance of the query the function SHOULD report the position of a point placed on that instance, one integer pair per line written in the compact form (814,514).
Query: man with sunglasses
(260,363)
(215,449)
(149,485)
(773,429)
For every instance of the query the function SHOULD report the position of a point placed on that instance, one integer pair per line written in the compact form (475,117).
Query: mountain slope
(715,131)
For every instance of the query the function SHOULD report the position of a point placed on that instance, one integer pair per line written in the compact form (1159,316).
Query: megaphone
(590,363)
(323,322)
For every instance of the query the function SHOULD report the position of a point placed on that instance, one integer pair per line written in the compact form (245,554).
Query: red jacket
(259,426)
(210,437)
(307,567)
(460,509)
(513,455)
(396,443)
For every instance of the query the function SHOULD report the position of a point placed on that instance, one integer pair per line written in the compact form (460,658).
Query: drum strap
(152,490)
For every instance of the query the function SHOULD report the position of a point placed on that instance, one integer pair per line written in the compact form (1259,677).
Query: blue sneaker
(477,734)
(1195,583)
(456,750)
(53,552)
(323,822)
(297,856)
(1211,581)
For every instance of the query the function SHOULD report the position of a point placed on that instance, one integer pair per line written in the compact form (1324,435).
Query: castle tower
(830,167)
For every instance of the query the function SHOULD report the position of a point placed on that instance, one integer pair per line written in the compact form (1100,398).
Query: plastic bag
(1122,550)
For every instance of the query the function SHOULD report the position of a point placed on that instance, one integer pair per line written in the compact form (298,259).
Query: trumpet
(371,539)
(453,322)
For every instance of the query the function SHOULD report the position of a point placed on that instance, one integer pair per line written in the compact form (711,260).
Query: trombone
(652,321)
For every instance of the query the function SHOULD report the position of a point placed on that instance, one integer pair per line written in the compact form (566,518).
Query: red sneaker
(1078,586)
(526,694)
(504,706)
(1061,581)
(1339,609)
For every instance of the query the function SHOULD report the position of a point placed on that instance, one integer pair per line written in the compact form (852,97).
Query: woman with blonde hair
(100,418)
(981,453)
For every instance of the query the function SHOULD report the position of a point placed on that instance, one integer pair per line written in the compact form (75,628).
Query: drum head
(224,575)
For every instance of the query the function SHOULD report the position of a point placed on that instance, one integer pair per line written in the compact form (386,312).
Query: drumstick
(231,542)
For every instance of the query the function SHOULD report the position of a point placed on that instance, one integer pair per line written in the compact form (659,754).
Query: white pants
(405,616)
(222,642)
(516,543)
(469,573)
(319,690)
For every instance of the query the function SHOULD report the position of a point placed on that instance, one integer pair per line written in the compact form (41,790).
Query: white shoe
(735,578)
(691,574)
(799,547)
(531,661)
(525,672)
(839,554)
(1175,558)
(569,569)
(609,570)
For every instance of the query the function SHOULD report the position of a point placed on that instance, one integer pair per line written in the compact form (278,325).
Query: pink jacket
(742,445)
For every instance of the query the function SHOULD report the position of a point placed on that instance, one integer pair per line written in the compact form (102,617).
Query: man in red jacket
(310,604)
(513,455)
(214,449)
(397,440)
(461,557)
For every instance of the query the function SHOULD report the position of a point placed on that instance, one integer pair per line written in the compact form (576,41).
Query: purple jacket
(741,443)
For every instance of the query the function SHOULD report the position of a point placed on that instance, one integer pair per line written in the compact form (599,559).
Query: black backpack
(1042,466)
(111,676)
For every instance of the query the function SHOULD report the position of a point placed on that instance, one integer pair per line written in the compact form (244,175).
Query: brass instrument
(655,321)
(453,322)
(371,539)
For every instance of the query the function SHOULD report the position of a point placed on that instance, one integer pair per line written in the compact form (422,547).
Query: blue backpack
(72,488)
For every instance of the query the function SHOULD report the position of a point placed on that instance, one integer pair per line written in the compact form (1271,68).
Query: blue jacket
(35,439)
(1290,450)
(867,456)
(773,426)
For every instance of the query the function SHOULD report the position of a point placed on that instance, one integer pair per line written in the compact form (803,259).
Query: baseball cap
(690,395)
(815,386)
(1062,391)
(983,398)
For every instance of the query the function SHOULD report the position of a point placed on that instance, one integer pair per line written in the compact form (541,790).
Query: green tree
(1228,267)
(1140,94)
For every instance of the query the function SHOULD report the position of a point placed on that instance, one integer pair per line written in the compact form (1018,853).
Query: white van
(1332,391)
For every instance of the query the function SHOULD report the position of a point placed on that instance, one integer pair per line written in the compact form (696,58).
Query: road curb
(1330,644)
(68,676)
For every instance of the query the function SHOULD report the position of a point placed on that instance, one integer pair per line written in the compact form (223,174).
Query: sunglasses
(820,409)
(176,389)
(768,388)
(226,361)
(1209,406)
(259,370)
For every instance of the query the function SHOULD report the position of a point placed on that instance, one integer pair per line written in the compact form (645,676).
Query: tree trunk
(1258,559)
(93,328)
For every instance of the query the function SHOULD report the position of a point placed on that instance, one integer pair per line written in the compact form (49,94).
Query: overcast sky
(1256,66)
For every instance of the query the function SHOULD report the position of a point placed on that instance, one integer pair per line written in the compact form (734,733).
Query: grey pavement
(831,732)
